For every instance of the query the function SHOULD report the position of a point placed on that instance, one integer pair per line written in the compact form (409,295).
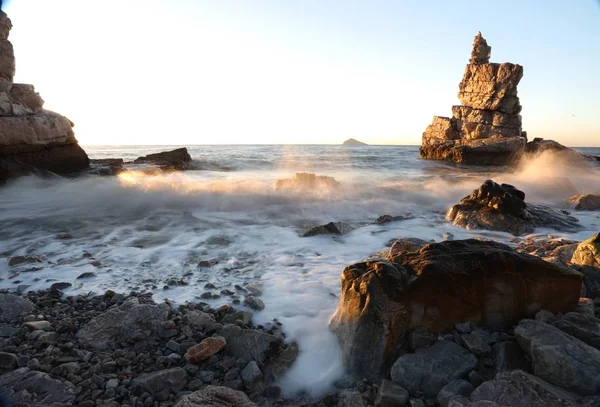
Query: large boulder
(581,326)
(588,252)
(560,358)
(585,202)
(429,369)
(437,286)
(13,307)
(177,159)
(502,207)
(249,344)
(486,128)
(24,387)
(215,396)
(31,138)
(123,323)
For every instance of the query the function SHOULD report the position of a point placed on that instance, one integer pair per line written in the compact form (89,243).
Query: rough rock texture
(585,202)
(520,389)
(27,387)
(215,396)
(177,159)
(173,379)
(205,349)
(486,128)
(31,138)
(437,286)
(12,306)
(588,252)
(560,358)
(331,228)
(124,322)
(581,326)
(429,369)
(249,344)
(502,207)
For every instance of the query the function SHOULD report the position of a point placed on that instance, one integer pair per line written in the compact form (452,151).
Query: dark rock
(27,387)
(332,228)
(454,388)
(8,362)
(243,317)
(583,327)
(252,376)
(391,395)
(509,356)
(254,303)
(88,274)
(476,344)
(248,344)
(16,260)
(60,286)
(436,287)
(429,369)
(177,159)
(420,338)
(170,379)
(215,396)
(13,307)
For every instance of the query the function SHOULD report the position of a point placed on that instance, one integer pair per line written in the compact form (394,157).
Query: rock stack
(486,128)
(31,138)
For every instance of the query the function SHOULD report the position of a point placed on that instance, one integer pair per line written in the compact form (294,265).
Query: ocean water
(144,232)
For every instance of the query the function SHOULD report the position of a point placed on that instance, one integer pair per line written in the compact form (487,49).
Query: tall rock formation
(31,138)
(486,128)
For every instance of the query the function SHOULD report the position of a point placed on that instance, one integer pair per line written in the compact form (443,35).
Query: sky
(295,72)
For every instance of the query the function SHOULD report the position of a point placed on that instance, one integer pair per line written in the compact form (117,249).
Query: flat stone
(580,326)
(199,319)
(429,369)
(254,303)
(248,344)
(38,326)
(243,317)
(509,356)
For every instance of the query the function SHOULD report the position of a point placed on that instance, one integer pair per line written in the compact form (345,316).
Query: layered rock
(486,128)
(502,207)
(31,138)
(437,286)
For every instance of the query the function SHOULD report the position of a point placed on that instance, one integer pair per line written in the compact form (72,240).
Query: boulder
(520,389)
(304,181)
(123,323)
(249,344)
(559,358)
(353,142)
(588,252)
(31,138)
(585,202)
(454,388)
(437,286)
(502,207)
(391,394)
(25,387)
(331,228)
(173,379)
(13,307)
(177,159)
(428,370)
(205,349)
(580,326)
(509,356)
(215,396)
(486,128)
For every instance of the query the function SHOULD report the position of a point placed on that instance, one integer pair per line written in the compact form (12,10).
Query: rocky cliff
(486,128)
(31,138)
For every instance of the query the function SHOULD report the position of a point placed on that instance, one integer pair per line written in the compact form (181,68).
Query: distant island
(353,142)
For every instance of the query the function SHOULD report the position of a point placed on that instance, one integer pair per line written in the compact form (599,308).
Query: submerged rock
(588,252)
(585,202)
(502,207)
(486,128)
(331,228)
(437,286)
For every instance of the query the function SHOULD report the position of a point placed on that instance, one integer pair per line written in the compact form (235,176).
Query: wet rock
(585,202)
(242,317)
(383,219)
(16,260)
(411,244)
(559,358)
(249,344)
(429,369)
(252,376)
(60,286)
(520,389)
(588,252)
(86,275)
(331,228)
(169,379)
(254,303)
(476,344)
(454,388)
(199,319)
(583,327)
(122,323)
(27,387)
(215,396)
(13,307)
(509,356)
(436,287)
(177,159)
(205,349)
(502,207)
(391,395)
(303,181)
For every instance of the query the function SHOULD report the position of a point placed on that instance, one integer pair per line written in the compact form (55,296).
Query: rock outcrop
(177,160)
(486,128)
(31,138)
(502,207)
(437,286)
(353,142)
(588,252)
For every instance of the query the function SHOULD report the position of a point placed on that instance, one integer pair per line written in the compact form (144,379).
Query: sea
(149,233)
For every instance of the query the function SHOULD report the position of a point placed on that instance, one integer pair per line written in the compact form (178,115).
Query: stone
(476,344)
(199,319)
(169,379)
(559,358)
(254,303)
(437,286)
(586,306)
(38,326)
(353,142)
(28,387)
(463,327)
(429,369)
(391,394)
(177,159)
(502,207)
(252,376)
(13,307)
(332,228)
(588,252)
(420,338)
(520,389)
(242,317)
(486,128)
(123,323)
(303,181)
(350,398)
(8,361)
(454,388)
(585,202)
(383,219)
(16,260)
(215,396)
(249,344)
(509,356)
(205,349)
(580,326)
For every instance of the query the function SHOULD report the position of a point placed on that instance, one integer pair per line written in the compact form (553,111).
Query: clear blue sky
(312,71)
